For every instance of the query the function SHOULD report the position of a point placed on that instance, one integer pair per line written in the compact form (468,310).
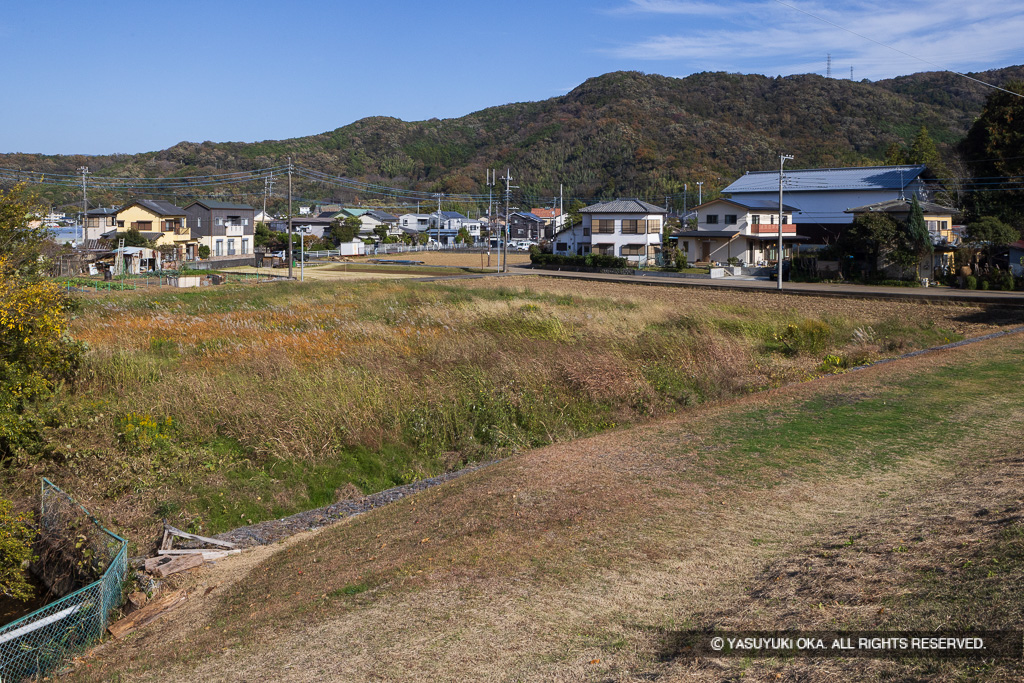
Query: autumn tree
(15,550)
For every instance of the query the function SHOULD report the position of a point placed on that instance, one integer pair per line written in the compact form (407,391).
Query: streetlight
(700,193)
(782,160)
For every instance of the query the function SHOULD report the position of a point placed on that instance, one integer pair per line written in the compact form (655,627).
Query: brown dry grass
(565,563)
(451,259)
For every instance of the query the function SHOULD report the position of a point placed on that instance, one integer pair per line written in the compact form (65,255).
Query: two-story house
(159,221)
(939,220)
(630,228)
(225,227)
(524,225)
(99,221)
(821,196)
(747,232)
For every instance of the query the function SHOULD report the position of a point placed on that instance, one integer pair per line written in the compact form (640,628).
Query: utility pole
(439,195)
(491,173)
(508,197)
(289,217)
(85,204)
(268,188)
(700,193)
(685,187)
(782,160)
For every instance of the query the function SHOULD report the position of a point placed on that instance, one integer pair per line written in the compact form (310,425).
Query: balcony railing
(773,229)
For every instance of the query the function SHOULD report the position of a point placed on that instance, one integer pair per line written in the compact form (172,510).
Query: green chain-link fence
(34,645)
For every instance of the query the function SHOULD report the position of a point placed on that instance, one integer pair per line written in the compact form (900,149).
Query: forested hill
(623,133)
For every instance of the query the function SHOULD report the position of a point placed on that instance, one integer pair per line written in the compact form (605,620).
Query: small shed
(353,248)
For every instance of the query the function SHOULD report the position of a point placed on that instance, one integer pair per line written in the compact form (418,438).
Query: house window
(932,225)
(604,226)
(231,247)
(586,232)
(605,249)
(712,219)
(245,246)
(755,219)
(945,225)
(654,225)
(219,248)
(630,226)
(730,219)
(560,246)
(586,248)
(686,246)
(219,221)
(120,224)
(632,249)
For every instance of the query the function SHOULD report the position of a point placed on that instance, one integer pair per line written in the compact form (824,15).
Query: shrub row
(588,261)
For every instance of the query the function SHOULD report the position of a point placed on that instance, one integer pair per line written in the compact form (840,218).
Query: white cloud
(770,37)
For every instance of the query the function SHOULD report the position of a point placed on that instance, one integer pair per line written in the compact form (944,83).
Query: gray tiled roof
(157,206)
(623,206)
(812,179)
(215,204)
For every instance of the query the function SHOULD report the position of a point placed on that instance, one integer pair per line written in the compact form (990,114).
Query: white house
(821,196)
(629,228)
(729,229)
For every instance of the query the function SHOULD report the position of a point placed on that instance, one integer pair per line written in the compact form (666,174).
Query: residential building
(552,218)
(730,229)
(630,228)
(159,221)
(226,228)
(528,226)
(99,221)
(414,221)
(939,220)
(821,196)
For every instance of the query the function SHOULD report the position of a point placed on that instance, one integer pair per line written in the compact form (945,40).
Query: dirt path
(570,562)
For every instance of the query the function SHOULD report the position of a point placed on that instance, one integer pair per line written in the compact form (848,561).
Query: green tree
(915,240)
(344,229)
(463,237)
(262,235)
(15,550)
(989,234)
(204,251)
(994,149)
(874,235)
(133,238)
(573,216)
(381,231)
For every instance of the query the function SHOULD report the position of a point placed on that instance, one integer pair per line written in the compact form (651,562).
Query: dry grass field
(884,499)
(453,259)
(219,407)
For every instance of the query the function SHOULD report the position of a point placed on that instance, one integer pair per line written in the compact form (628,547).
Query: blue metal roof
(817,179)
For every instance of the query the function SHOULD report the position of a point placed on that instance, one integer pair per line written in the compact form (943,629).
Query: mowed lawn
(887,498)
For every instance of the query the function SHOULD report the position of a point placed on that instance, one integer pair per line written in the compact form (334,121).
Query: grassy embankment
(886,499)
(216,407)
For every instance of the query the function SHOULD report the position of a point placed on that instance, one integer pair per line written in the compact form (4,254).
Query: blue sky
(111,76)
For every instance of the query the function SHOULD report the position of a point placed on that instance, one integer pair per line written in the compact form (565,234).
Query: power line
(895,49)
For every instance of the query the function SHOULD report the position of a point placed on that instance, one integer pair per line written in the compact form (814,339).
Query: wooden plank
(202,539)
(168,541)
(147,614)
(206,554)
(172,564)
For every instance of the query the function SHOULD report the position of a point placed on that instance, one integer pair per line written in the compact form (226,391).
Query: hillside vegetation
(620,134)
